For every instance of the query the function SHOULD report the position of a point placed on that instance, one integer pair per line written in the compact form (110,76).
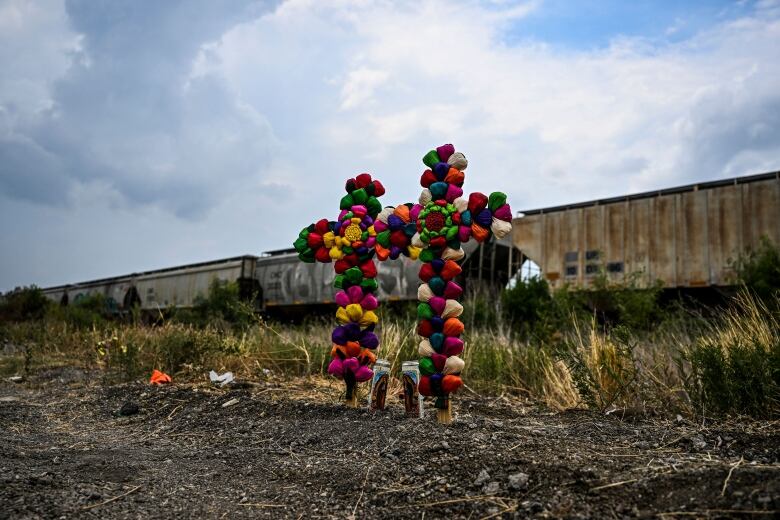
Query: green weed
(736,367)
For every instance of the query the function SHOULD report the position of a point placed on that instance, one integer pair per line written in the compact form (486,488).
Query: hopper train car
(685,237)
(276,281)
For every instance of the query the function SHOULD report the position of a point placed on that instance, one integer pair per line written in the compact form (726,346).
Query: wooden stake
(351,400)
(444,415)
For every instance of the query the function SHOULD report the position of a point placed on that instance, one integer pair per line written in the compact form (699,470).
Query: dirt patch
(288,449)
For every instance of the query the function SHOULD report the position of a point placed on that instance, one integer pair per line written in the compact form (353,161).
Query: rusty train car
(684,237)
(276,280)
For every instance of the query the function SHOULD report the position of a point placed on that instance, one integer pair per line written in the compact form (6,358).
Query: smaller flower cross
(362,231)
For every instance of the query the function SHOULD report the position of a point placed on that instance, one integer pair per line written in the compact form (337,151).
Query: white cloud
(360,86)
(547,125)
(254,122)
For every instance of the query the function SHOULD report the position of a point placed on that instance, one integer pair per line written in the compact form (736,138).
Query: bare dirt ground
(288,449)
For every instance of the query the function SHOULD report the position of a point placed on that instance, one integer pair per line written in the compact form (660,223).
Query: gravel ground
(289,449)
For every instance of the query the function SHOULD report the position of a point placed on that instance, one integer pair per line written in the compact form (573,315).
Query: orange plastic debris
(159,378)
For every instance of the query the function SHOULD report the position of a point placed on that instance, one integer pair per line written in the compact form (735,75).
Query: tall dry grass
(733,360)
(735,366)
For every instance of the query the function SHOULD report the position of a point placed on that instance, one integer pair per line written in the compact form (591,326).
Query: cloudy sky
(143,134)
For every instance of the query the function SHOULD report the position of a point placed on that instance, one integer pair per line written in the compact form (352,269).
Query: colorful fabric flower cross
(363,230)
(445,220)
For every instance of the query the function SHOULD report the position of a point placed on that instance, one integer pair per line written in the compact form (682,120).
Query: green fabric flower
(438,220)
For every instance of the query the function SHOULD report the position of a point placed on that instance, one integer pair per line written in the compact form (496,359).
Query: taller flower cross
(362,231)
(445,220)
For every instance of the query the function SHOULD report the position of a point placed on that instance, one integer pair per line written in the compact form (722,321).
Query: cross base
(351,399)
(443,410)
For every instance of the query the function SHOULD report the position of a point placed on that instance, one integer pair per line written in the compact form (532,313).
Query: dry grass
(605,364)
(585,366)
(749,323)
(558,389)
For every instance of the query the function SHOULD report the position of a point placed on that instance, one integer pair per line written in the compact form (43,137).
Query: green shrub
(736,367)
(178,345)
(626,303)
(759,271)
(529,306)
(84,312)
(122,355)
(536,312)
(602,365)
(23,304)
(222,307)
(539,314)
(481,307)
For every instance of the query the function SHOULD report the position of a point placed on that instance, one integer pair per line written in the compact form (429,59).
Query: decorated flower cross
(433,229)
(362,231)
(445,220)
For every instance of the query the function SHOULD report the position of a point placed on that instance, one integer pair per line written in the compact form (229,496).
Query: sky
(141,134)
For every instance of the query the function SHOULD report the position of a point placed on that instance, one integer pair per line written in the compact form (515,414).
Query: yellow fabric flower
(355,312)
(341,315)
(353,233)
(369,318)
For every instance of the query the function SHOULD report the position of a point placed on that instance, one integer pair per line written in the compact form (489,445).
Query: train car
(286,281)
(684,237)
(276,280)
(114,290)
(181,286)
(161,288)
